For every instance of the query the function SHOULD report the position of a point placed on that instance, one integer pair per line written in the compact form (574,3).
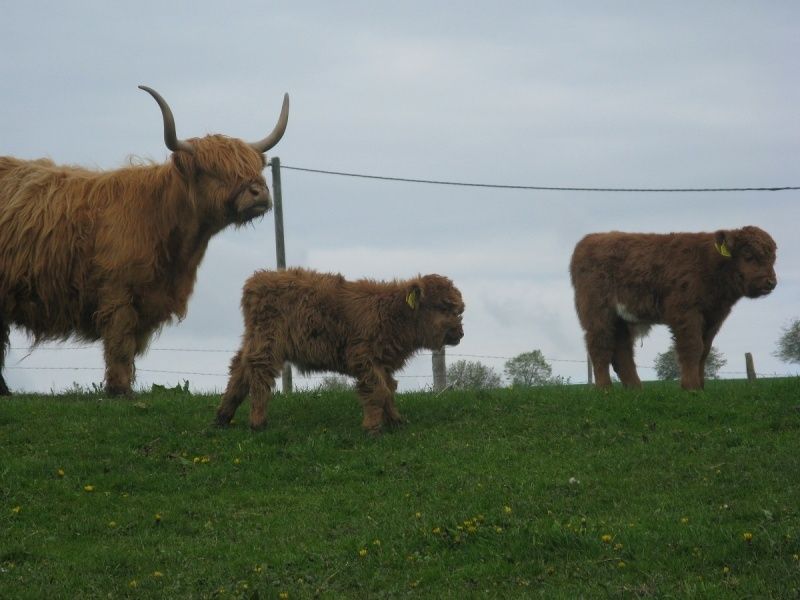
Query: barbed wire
(541,188)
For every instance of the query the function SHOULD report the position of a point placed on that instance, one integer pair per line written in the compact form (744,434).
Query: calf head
(439,309)
(751,255)
(223,175)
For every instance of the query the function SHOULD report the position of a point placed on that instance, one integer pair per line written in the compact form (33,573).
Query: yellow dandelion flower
(621,564)
(376,542)
(418,514)
(507,509)
(257,569)
(796,556)
(16,510)
(157,574)
(157,518)
(747,536)
(88,488)
(684,520)
(498,529)
(726,570)
(60,472)
(236,461)
(362,553)
(284,595)
(112,524)
(437,530)
(133,583)
(472,529)
(205,459)
(606,538)
(617,546)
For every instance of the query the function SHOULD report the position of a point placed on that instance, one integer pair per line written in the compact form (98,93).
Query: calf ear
(413,294)
(723,242)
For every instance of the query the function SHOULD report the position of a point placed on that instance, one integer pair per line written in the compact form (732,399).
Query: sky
(579,94)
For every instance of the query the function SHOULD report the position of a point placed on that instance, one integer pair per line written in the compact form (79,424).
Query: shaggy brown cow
(625,282)
(113,255)
(322,322)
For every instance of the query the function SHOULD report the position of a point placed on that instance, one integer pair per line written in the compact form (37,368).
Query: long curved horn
(277,133)
(170,137)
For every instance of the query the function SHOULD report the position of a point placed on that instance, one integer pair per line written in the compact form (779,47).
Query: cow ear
(413,294)
(723,242)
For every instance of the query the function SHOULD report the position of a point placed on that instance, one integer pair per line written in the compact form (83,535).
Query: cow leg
(709,333)
(5,331)
(374,393)
(690,348)
(235,393)
(391,416)
(119,348)
(622,360)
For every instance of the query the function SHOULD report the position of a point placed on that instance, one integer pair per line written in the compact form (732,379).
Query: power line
(540,187)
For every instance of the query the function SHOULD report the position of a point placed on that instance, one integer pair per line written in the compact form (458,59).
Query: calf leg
(391,416)
(690,348)
(622,360)
(374,393)
(600,343)
(709,333)
(4,342)
(235,393)
(253,369)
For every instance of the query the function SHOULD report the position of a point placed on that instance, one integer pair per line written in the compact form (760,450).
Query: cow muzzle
(253,202)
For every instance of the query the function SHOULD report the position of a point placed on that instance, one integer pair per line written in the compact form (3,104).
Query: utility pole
(280,250)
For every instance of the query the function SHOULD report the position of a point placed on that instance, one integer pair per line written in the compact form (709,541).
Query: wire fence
(542,188)
(319,376)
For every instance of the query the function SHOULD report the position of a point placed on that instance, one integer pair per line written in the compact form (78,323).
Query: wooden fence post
(280,250)
(439,370)
(751,370)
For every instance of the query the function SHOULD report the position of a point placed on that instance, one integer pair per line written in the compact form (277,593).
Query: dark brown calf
(626,282)
(322,322)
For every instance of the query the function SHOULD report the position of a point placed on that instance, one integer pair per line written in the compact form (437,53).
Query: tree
(789,343)
(667,367)
(469,375)
(531,368)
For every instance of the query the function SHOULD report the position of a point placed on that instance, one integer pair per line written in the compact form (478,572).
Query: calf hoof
(258,426)
(222,421)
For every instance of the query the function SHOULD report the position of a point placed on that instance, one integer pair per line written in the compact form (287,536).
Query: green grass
(487,494)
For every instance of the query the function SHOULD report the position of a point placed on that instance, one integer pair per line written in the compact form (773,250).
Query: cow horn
(277,133)
(170,137)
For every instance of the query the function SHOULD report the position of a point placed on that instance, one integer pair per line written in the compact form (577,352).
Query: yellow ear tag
(723,249)
(411,299)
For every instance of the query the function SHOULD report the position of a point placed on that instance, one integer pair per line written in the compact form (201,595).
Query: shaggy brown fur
(625,282)
(113,255)
(322,322)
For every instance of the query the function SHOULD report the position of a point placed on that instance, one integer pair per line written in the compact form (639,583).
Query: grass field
(559,492)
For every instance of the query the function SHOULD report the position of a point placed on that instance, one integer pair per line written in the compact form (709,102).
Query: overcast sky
(578,94)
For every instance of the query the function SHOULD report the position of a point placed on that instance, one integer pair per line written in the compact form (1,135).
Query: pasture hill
(556,492)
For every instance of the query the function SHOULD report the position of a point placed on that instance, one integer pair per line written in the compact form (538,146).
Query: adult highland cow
(322,322)
(625,282)
(113,255)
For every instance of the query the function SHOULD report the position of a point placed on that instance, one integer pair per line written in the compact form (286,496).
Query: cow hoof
(258,426)
(119,392)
